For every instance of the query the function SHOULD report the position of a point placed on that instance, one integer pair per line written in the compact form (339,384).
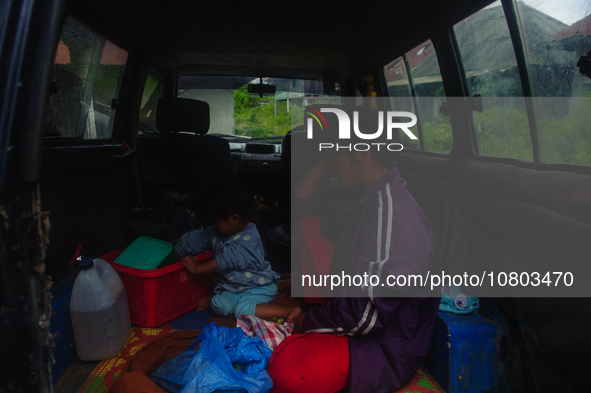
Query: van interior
(118,113)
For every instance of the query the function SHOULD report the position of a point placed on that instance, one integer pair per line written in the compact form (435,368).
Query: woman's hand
(310,184)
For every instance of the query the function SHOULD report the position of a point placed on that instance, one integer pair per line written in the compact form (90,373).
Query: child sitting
(247,282)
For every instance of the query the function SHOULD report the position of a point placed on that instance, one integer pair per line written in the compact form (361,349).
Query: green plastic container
(147,253)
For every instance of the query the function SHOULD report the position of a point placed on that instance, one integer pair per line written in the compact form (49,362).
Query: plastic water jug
(99,311)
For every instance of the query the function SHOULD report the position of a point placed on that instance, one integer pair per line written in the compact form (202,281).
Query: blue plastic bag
(228,360)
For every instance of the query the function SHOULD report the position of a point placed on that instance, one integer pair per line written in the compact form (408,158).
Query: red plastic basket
(161,295)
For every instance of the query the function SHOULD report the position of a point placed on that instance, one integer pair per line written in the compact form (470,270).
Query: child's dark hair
(225,198)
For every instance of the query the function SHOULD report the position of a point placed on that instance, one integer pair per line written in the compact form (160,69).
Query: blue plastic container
(464,353)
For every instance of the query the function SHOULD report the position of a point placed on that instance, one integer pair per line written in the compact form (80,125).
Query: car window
(556,34)
(86,82)
(415,85)
(234,111)
(491,71)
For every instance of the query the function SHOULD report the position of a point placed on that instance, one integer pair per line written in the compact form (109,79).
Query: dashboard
(258,164)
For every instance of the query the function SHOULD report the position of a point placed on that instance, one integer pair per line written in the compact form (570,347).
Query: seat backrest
(183,162)
(174,115)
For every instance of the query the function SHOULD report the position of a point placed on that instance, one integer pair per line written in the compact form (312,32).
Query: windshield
(236,112)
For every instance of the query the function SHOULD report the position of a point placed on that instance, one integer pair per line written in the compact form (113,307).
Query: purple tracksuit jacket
(383,232)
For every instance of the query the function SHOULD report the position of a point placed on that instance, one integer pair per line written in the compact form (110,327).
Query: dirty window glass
(86,81)
(490,65)
(153,90)
(556,34)
(420,90)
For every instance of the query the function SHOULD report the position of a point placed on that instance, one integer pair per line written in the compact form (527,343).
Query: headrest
(182,114)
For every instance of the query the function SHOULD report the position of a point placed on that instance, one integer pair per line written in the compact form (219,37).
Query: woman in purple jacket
(371,338)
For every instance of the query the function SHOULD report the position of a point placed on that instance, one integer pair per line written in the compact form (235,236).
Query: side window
(556,34)
(86,82)
(153,90)
(490,65)
(415,85)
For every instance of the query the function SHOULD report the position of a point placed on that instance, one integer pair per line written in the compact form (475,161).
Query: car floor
(77,373)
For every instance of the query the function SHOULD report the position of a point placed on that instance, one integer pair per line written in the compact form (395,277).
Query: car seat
(180,160)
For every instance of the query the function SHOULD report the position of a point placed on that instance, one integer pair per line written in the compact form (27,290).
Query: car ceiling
(268,37)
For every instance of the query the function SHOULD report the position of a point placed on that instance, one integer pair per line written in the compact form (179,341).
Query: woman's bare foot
(293,315)
(204,303)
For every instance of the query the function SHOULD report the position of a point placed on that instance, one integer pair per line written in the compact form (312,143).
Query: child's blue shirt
(240,257)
